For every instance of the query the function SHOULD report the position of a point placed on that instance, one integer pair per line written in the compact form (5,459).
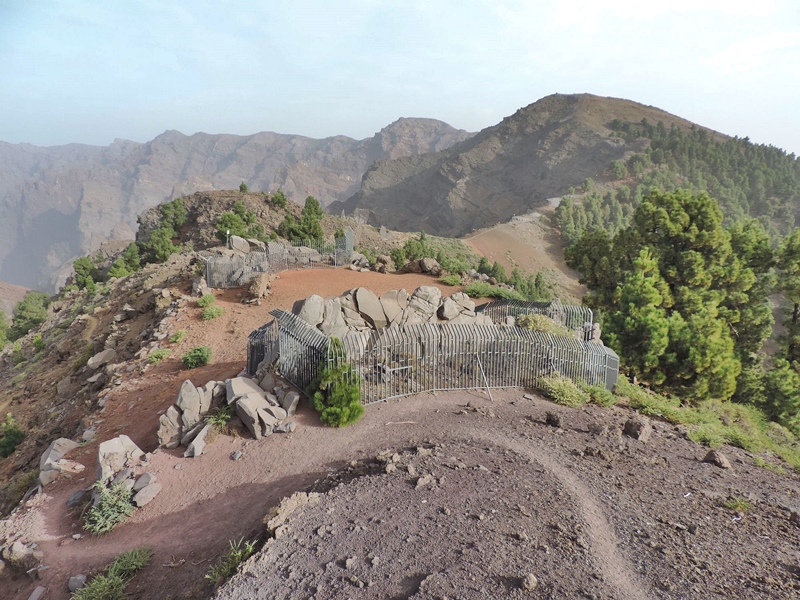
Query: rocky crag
(62,202)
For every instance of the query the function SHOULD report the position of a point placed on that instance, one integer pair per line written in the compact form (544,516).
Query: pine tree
(789,282)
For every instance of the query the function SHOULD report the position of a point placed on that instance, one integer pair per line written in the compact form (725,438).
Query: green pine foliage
(336,391)
(12,436)
(157,355)
(243,188)
(788,263)
(212,312)
(451,280)
(206,300)
(3,330)
(279,199)
(562,390)
(481,289)
(309,227)
(86,272)
(544,324)
(30,312)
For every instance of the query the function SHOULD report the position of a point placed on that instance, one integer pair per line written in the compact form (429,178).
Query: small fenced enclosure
(272,257)
(395,362)
(576,317)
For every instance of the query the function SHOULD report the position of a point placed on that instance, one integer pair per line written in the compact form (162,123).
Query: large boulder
(251,410)
(393,303)
(206,396)
(55,452)
(189,403)
(170,426)
(289,402)
(146,494)
(369,307)
(240,244)
(333,324)
(430,266)
(198,444)
(465,302)
(114,455)
(311,310)
(425,299)
(235,387)
(448,310)
(101,358)
(259,286)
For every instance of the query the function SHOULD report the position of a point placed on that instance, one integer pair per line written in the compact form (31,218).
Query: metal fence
(263,344)
(395,362)
(575,317)
(239,270)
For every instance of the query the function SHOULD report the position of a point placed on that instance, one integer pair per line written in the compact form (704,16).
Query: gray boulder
(114,455)
(332,321)
(235,387)
(146,494)
(276,411)
(206,396)
(290,402)
(347,300)
(369,307)
(191,434)
(76,582)
(393,303)
(286,427)
(143,481)
(448,310)
(425,299)
(189,403)
(170,426)
(465,302)
(311,310)
(639,428)
(55,452)
(198,444)
(251,410)
(430,266)
(267,382)
(101,358)
(353,319)
(240,244)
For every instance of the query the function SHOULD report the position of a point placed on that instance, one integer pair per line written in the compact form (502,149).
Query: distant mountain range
(62,202)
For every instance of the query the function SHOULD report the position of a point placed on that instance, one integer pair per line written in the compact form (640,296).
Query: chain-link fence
(395,362)
(239,270)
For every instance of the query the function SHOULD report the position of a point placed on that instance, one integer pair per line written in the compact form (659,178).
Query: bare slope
(62,202)
(510,168)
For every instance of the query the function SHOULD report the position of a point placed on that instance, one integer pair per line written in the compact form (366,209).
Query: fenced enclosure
(239,270)
(412,359)
(575,317)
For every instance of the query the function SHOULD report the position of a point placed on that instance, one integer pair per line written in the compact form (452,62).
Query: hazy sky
(89,71)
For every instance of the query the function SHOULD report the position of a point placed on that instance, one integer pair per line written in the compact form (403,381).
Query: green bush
(599,395)
(12,436)
(562,390)
(707,435)
(481,289)
(17,355)
(115,506)
(156,356)
(219,417)
(243,188)
(278,199)
(199,356)
(206,300)
(239,552)
(544,324)
(336,392)
(178,336)
(452,280)
(111,584)
(738,505)
(398,256)
(212,312)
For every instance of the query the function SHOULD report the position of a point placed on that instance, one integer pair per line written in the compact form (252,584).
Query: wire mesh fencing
(395,362)
(576,317)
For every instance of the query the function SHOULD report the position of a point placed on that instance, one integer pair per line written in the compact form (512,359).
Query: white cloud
(751,53)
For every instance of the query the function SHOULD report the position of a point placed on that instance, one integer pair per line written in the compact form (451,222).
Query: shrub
(243,188)
(212,312)
(481,289)
(452,280)
(178,336)
(599,395)
(562,390)
(17,355)
(206,300)
(115,506)
(38,342)
(398,256)
(156,356)
(12,436)
(219,417)
(336,392)
(111,584)
(279,199)
(707,435)
(196,357)
(738,505)
(543,323)
(239,552)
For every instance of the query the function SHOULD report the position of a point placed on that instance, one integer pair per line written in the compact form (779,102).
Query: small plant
(707,435)
(562,390)
(738,505)
(336,392)
(12,436)
(38,342)
(156,356)
(212,312)
(17,355)
(199,356)
(178,336)
(544,324)
(239,552)
(451,280)
(111,584)
(206,300)
(115,506)
(219,417)
(243,188)
(599,395)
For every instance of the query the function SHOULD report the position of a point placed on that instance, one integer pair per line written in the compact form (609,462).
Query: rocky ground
(580,508)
